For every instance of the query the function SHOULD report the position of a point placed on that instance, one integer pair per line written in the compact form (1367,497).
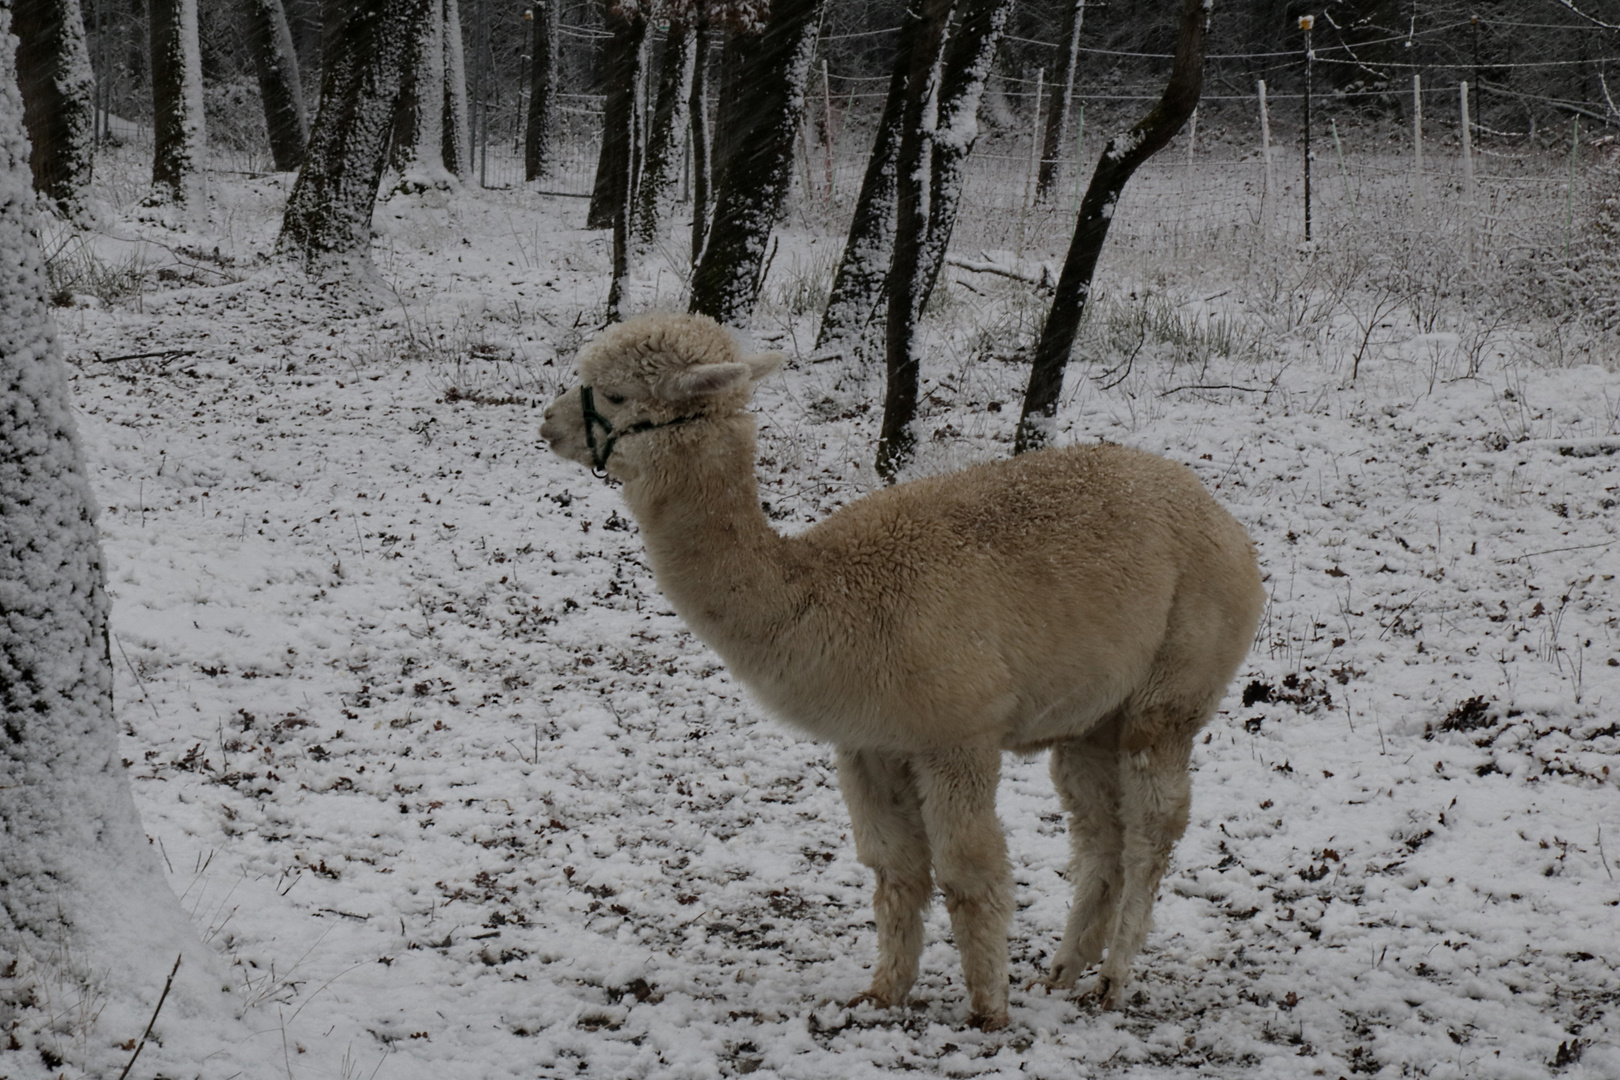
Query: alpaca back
(1019,601)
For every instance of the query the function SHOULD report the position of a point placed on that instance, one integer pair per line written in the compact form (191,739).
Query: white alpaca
(1094,600)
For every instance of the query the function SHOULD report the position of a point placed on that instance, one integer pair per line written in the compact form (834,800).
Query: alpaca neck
(707,539)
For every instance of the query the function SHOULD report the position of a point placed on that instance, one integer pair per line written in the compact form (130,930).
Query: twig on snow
(147,1033)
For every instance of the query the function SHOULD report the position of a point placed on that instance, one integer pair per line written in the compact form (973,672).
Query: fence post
(1268,185)
(1035,132)
(1192,143)
(1569,205)
(1079,156)
(1417,139)
(1305,24)
(1468,168)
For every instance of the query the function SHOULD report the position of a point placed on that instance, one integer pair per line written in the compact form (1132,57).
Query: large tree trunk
(622,58)
(58,93)
(906,272)
(540,130)
(457,147)
(82,897)
(177,99)
(276,61)
(698,109)
(1057,121)
(863,272)
(968,58)
(329,211)
(662,165)
(1124,153)
(418,144)
(754,182)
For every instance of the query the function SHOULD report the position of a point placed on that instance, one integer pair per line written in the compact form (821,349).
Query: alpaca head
(654,371)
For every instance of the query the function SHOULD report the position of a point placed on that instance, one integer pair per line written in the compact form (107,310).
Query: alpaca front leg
(1155,796)
(886,814)
(958,789)
(1086,775)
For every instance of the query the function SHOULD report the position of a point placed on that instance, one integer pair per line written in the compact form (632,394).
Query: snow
(436,770)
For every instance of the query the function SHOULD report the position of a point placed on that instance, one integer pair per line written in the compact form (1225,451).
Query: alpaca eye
(614,399)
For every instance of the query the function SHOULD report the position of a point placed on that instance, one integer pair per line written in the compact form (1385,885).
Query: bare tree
(662,160)
(457,148)
(698,108)
(418,143)
(177,99)
(81,893)
(1124,153)
(328,215)
(622,61)
(753,181)
(539,130)
(276,63)
(1057,121)
(58,93)
(906,272)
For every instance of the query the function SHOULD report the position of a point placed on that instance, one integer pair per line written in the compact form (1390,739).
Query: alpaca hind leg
(886,813)
(1086,774)
(1155,793)
(958,788)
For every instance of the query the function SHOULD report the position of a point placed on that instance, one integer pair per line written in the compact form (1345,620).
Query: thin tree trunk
(328,214)
(1057,121)
(622,58)
(863,271)
(457,147)
(906,277)
(276,62)
(177,99)
(418,141)
(698,109)
(81,890)
(968,58)
(58,93)
(658,171)
(754,184)
(540,129)
(1123,155)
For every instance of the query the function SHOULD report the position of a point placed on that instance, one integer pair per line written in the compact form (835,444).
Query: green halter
(601,453)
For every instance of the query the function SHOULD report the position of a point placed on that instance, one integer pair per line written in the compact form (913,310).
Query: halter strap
(600,452)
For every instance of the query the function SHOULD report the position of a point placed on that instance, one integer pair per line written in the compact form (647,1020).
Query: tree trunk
(754,183)
(731,105)
(177,99)
(82,896)
(863,271)
(58,93)
(906,272)
(540,130)
(1057,121)
(968,58)
(328,214)
(457,148)
(418,141)
(276,62)
(698,109)
(659,170)
(622,57)
(1123,155)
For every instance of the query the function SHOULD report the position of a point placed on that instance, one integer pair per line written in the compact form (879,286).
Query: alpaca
(1093,600)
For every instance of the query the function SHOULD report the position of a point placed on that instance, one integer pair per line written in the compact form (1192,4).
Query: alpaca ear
(703,380)
(763,365)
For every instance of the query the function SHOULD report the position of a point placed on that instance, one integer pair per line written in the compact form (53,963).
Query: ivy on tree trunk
(329,210)
(1123,155)
(177,99)
(539,129)
(58,93)
(276,62)
(754,181)
(698,109)
(659,170)
(622,59)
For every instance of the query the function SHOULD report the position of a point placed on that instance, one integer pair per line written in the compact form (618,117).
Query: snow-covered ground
(432,763)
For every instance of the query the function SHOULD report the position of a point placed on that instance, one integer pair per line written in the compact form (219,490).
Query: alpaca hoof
(1110,993)
(875,999)
(989,1021)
